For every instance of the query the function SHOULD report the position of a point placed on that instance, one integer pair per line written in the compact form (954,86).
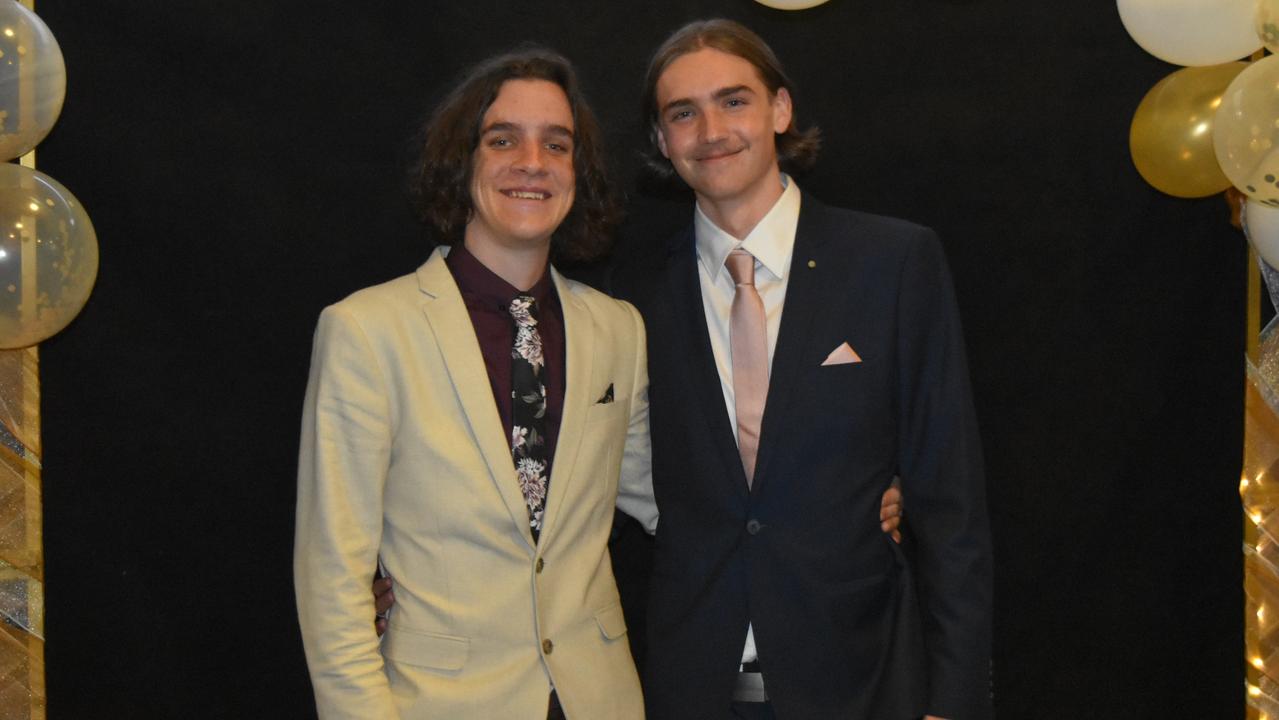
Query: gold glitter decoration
(22,695)
(22,690)
(1259,492)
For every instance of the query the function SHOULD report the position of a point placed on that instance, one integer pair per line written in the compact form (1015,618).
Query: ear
(660,137)
(781,111)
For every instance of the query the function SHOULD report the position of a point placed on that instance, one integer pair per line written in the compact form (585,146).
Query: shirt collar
(473,278)
(771,241)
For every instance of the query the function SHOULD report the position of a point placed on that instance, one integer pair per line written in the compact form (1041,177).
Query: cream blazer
(403,457)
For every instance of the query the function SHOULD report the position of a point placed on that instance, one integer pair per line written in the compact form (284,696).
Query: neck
(521,267)
(739,215)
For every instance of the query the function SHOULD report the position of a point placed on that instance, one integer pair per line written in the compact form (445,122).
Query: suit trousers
(751,711)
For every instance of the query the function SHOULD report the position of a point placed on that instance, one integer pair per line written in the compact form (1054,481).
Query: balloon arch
(1209,127)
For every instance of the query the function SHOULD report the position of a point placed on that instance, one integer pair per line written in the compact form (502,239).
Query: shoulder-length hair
(440,181)
(796,149)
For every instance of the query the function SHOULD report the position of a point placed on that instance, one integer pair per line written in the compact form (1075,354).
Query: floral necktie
(528,411)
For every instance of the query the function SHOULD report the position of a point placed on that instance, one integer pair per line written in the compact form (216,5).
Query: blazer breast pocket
(603,414)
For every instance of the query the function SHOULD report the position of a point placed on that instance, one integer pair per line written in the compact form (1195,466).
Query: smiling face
(717,124)
(522,178)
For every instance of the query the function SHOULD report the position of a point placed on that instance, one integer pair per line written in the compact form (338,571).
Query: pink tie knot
(741,266)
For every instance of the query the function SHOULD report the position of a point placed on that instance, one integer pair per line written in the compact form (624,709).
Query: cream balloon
(790,4)
(1262,222)
(48,256)
(33,80)
(1192,32)
(1171,134)
(1245,134)
(1266,24)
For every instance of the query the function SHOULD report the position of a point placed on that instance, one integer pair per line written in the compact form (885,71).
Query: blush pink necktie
(748,341)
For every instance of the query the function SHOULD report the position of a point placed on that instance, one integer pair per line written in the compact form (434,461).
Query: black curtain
(244,166)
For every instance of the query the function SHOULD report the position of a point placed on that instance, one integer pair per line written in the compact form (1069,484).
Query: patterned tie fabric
(528,411)
(748,341)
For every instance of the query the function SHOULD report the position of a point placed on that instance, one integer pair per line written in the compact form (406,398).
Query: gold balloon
(48,256)
(1171,135)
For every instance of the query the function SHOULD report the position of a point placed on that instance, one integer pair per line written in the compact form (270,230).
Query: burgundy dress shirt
(487,297)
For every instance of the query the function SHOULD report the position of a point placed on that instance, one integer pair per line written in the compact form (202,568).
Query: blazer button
(753,526)
(547,646)
(539,565)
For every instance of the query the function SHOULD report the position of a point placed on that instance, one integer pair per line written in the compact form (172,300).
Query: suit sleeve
(345,449)
(635,484)
(940,463)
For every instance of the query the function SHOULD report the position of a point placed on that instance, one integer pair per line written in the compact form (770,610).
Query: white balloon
(1245,131)
(1266,23)
(1262,222)
(1192,32)
(790,4)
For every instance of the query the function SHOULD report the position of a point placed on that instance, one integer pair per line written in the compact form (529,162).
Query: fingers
(383,595)
(890,512)
(892,496)
(380,625)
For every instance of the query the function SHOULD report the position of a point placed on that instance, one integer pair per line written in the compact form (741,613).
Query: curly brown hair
(440,180)
(796,149)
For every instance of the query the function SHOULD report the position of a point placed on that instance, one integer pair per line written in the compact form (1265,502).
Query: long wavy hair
(440,180)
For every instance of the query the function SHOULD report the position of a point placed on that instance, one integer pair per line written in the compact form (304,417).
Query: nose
(531,158)
(712,126)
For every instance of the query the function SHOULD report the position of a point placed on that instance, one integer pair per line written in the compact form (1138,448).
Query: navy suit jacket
(847,623)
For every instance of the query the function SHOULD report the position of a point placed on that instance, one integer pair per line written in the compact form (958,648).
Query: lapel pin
(812,263)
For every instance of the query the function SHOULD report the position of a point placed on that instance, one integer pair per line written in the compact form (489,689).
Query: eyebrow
(516,127)
(717,95)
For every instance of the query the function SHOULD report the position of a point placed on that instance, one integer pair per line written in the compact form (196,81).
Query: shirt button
(539,565)
(753,526)
(547,646)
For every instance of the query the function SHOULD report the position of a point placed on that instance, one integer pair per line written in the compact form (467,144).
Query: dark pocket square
(608,396)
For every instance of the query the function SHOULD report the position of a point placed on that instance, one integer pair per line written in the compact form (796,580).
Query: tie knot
(741,266)
(522,310)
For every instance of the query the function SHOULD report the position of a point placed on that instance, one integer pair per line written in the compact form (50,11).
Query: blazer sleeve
(940,464)
(635,484)
(342,466)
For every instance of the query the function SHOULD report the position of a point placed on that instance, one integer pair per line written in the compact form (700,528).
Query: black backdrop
(243,167)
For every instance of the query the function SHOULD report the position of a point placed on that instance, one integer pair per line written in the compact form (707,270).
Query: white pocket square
(842,355)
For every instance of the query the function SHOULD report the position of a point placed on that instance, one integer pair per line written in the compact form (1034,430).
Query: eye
(680,115)
(560,148)
(499,141)
(735,102)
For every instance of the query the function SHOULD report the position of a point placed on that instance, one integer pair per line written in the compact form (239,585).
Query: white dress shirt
(772,242)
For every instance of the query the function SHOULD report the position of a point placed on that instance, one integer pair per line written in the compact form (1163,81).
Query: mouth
(527,194)
(719,155)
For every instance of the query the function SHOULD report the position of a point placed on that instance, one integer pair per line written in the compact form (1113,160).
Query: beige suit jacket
(403,456)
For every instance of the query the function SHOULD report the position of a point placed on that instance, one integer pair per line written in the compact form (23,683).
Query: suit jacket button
(539,565)
(753,526)
(547,646)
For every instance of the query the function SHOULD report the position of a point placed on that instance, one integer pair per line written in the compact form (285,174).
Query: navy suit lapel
(805,299)
(688,320)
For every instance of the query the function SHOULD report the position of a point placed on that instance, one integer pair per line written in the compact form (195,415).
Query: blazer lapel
(451,324)
(804,293)
(685,312)
(579,344)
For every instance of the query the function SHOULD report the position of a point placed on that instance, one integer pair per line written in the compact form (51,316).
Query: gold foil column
(1259,492)
(22,689)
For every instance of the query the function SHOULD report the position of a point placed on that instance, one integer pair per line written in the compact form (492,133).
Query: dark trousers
(752,711)
(553,709)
